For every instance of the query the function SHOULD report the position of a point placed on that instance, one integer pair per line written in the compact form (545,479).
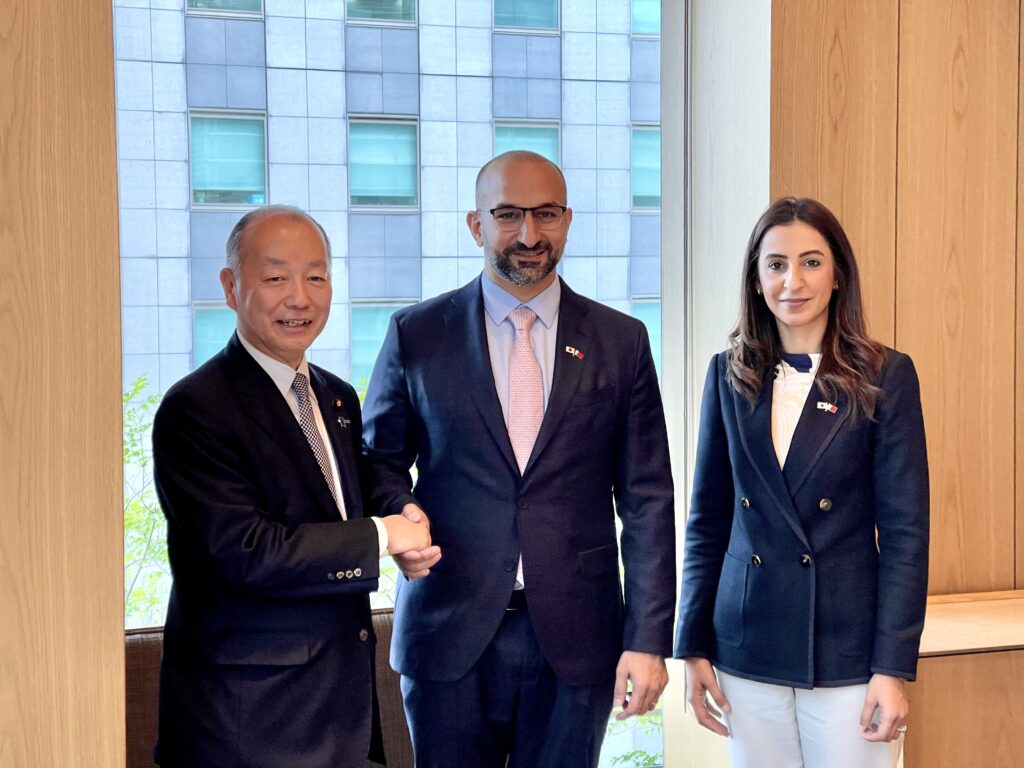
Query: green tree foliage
(146,573)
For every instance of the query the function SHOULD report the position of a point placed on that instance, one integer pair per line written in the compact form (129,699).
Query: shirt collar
(498,302)
(280,373)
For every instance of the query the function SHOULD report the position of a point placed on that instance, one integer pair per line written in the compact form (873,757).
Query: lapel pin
(343,422)
(828,407)
(338,403)
(574,352)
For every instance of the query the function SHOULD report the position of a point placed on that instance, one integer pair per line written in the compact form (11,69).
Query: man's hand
(888,695)
(404,535)
(700,684)
(416,562)
(647,674)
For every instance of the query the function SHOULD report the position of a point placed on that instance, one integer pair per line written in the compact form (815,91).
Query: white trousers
(774,726)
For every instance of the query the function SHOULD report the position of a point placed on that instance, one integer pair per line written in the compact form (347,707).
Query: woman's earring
(835,286)
(758,289)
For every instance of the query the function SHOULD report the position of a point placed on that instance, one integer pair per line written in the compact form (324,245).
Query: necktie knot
(522,318)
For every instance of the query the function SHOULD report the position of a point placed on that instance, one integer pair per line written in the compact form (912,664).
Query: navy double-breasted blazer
(268,647)
(783,581)
(602,449)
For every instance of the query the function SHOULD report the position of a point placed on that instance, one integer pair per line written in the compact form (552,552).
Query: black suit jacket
(268,647)
(602,449)
(782,578)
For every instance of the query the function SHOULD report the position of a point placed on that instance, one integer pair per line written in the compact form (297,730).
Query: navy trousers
(509,710)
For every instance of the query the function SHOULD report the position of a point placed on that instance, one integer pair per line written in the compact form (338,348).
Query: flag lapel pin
(574,352)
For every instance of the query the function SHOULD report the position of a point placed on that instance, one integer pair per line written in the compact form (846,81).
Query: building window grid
(384,120)
(226,115)
(232,13)
(552,125)
(555,30)
(642,6)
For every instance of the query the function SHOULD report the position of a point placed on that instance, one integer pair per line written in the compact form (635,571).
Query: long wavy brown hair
(851,361)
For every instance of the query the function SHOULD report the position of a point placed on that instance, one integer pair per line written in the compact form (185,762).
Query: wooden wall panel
(61,569)
(833,128)
(966,711)
(955,243)
(1019,402)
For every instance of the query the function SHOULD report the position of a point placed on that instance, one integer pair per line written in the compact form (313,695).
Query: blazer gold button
(363,635)
(339,575)
(805,560)
(357,572)
(745,502)
(825,505)
(349,574)
(756,560)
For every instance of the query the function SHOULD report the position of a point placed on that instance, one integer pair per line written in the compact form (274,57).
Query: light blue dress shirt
(501,334)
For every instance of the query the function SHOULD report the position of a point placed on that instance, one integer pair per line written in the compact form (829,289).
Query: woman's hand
(888,695)
(700,684)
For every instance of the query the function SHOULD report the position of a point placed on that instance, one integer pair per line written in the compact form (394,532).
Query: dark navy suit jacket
(782,578)
(268,647)
(602,449)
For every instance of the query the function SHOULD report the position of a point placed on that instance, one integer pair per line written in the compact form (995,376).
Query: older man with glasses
(533,416)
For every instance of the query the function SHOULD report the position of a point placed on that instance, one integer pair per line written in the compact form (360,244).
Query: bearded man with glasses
(533,417)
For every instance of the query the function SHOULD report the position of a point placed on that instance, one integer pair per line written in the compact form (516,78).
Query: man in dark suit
(533,416)
(268,647)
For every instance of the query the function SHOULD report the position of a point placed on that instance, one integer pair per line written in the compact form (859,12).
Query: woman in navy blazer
(806,561)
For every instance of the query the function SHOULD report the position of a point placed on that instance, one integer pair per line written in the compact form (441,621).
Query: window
(229,160)
(382,163)
(212,326)
(230,6)
(646,168)
(382,10)
(646,17)
(532,14)
(369,325)
(649,312)
(542,139)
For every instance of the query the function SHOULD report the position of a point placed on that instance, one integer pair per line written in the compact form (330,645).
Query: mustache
(537,249)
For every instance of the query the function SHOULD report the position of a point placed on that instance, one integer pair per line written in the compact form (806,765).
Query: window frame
(383,120)
(643,209)
(555,30)
(231,115)
(225,13)
(497,123)
(359,21)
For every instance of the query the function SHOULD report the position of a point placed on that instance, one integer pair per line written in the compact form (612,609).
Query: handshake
(409,542)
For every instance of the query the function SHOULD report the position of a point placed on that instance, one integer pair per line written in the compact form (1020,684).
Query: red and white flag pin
(574,352)
(828,407)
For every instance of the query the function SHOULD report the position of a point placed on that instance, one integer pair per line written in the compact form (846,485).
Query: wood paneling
(1019,402)
(966,711)
(833,128)
(956,239)
(61,570)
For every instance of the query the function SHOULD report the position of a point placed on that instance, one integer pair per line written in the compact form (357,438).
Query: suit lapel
(471,363)
(814,432)
(574,329)
(338,426)
(263,403)
(756,435)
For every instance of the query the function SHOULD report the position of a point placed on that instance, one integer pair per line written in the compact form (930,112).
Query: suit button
(357,572)
(745,502)
(756,560)
(330,577)
(523,504)
(825,505)
(509,566)
(363,635)
(805,560)
(339,575)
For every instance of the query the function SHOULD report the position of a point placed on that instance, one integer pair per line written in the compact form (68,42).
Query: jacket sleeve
(708,528)
(645,503)
(901,517)
(217,517)
(389,429)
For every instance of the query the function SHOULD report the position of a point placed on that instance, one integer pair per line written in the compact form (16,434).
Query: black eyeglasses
(544,216)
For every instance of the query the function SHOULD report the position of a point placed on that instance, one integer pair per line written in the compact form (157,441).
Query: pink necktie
(525,389)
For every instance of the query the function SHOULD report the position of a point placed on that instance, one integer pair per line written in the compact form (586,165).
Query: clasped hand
(409,542)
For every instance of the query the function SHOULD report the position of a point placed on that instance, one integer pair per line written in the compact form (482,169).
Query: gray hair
(233,248)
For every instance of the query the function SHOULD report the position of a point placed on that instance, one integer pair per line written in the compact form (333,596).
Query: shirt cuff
(382,536)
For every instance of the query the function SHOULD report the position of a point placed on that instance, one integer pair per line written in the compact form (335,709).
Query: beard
(526,274)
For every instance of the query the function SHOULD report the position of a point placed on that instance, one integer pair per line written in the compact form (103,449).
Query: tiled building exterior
(459,84)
